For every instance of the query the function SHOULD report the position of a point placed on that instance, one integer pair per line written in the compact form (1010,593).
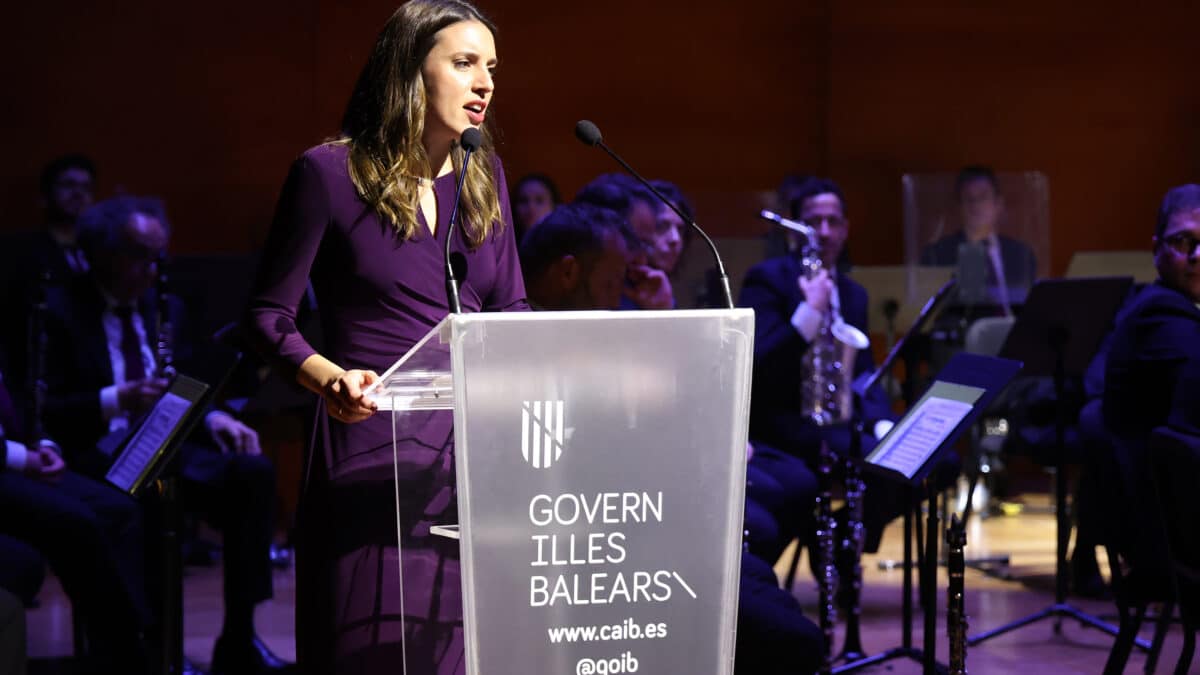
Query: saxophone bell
(849,335)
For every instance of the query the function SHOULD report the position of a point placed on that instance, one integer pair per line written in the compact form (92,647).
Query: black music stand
(1057,334)
(909,453)
(852,652)
(144,460)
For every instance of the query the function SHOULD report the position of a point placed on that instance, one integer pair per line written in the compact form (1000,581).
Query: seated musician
(792,308)
(102,339)
(1160,331)
(993,269)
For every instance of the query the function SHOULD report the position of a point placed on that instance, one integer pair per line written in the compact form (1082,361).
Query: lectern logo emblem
(541,432)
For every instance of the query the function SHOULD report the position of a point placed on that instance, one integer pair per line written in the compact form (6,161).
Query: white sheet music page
(163,419)
(922,431)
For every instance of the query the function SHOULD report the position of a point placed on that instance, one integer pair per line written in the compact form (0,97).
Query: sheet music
(166,416)
(922,431)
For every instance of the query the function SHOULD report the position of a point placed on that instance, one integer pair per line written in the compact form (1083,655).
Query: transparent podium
(601,469)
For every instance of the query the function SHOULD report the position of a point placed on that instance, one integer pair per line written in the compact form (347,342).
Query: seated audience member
(994,269)
(575,259)
(791,311)
(101,375)
(533,198)
(1160,331)
(90,534)
(12,634)
(646,287)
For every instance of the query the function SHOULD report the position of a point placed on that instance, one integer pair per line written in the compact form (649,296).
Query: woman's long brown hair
(385,120)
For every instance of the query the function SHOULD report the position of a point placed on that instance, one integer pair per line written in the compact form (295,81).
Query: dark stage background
(206,104)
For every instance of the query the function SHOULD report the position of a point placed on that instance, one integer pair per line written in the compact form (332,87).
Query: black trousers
(780,492)
(235,494)
(23,570)
(773,635)
(883,500)
(91,535)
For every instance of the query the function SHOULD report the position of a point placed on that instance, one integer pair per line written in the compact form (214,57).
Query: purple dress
(377,295)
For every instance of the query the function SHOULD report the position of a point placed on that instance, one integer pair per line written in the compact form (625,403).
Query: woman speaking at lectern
(365,217)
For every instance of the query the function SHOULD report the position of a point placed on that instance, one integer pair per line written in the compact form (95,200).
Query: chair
(1137,552)
(1175,464)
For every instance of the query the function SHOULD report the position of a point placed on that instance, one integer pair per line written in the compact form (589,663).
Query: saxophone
(956,617)
(826,398)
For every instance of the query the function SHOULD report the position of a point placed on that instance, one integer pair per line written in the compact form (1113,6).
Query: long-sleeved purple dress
(377,296)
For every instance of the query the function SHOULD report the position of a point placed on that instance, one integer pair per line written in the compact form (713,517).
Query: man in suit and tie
(102,334)
(50,254)
(993,268)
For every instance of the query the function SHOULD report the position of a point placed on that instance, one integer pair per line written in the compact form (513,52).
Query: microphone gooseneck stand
(471,139)
(589,134)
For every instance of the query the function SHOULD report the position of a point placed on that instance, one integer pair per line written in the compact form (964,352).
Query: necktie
(131,347)
(997,268)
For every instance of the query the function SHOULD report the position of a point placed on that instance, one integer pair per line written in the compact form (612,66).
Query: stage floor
(1028,538)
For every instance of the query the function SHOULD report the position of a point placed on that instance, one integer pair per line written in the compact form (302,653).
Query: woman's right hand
(344,399)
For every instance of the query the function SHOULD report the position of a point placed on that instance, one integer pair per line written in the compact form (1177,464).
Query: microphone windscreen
(587,133)
(472,138)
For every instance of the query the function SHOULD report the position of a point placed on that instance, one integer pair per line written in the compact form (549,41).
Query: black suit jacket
(1185,408)
(77,361)
(771,290)
(1018,259)
(1158,337)
(24,257)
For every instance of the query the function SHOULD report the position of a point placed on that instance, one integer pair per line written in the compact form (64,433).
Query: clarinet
(956,617)
(36,355)
(851,546)
(164,353)
(828,583)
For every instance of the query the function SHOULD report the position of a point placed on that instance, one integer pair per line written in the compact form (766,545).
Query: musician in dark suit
(101,375)
(1157,339)
(790,311)
(49,254)
(1005,266)
(1160,333)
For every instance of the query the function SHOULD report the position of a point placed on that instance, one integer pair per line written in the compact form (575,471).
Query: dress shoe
(246,657)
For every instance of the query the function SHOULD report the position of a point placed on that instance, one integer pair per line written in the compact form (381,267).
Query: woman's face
(458,81)
(534,202)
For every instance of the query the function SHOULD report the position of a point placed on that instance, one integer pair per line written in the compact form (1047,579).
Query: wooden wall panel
(207,104)
(1101,100)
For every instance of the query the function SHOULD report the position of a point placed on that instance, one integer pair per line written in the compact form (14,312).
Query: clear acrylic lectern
(601,463)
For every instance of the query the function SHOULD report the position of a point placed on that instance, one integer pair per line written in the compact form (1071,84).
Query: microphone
(589,135)
(470,142)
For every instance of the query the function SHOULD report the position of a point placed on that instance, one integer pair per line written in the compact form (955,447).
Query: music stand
(143,459)
(961,391)
(1057,335)
(852,652)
